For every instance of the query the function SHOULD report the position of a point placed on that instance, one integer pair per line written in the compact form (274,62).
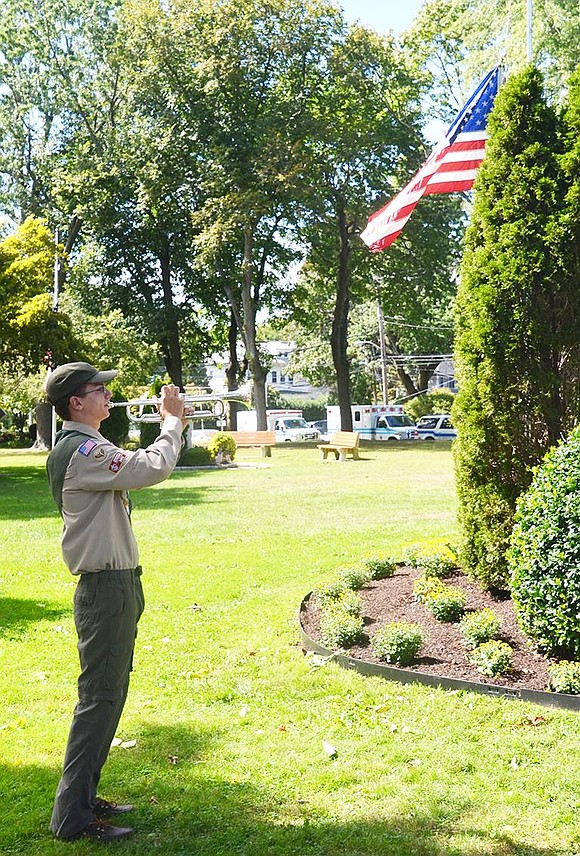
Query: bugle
(210,405)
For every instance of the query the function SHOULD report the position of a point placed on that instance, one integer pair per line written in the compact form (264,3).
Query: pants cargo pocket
(117,667)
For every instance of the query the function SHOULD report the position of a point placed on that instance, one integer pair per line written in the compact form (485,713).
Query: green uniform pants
(107,607)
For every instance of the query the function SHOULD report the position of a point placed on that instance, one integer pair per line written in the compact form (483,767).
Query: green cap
(66,379)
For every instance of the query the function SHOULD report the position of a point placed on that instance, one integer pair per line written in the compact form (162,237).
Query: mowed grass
(227,714)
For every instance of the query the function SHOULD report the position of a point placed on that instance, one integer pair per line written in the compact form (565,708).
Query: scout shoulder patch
(101,454)
(117,462)
(87,447)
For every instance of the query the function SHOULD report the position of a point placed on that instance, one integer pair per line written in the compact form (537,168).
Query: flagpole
(529,28)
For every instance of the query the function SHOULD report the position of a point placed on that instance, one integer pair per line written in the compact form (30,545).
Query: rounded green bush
(492,658)
(479,627)
(195,456)
(355,578)
(380,569)
(424,587)
(544,552)
(224,443)
(446,603)
(565,677)
(438,565)
(339,628)
(397,642)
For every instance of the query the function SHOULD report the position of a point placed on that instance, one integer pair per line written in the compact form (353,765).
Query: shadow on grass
(181,812)
(24,494)
(17,613)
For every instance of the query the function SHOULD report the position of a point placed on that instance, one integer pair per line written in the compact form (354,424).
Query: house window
(274,377)
(282,379)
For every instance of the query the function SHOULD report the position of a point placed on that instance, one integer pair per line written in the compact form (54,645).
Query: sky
(382,15)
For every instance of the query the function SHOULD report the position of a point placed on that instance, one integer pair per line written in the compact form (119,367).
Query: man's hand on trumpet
(171,403)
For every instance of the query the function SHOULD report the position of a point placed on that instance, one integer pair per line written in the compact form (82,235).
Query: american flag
(450,166)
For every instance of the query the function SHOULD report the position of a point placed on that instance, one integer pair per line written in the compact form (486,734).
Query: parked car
(437,426)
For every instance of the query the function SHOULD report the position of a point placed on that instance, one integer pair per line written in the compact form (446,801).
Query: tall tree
(517,322)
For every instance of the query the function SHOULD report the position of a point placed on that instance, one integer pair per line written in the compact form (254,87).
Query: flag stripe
(450,167)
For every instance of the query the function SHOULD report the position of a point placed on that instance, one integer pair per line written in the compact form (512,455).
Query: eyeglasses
(100,388)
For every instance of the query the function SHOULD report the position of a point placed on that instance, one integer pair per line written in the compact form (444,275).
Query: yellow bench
(341,443)
(248,439)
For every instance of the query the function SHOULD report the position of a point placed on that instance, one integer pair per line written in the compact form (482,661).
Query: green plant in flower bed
(339,628)
(479,627)
(492,658)
(446,603)
(424,587)
(224,444)
(330,593)
(355,578)
(397,642)
(565,677)
(350,601)
(380,569)
(438,565)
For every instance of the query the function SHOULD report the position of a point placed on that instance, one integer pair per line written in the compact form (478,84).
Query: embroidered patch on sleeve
(87,447)
(100,454)
(117,462)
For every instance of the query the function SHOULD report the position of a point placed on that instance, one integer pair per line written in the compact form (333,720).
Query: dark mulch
(443,653)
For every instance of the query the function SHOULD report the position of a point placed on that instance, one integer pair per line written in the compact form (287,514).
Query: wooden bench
(249,439)
(341,443)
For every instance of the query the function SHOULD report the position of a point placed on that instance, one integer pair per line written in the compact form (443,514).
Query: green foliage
(116,427)
(340,628)
(148,431)
(425,587)
(397,642)
(380,569)
(439,401)
(438,564)
(492,658)
(565,677)
(544,554)
(223,443)
(479,627)
(446,603)
(517,314)
(331,592)
(355,578)
(195,456)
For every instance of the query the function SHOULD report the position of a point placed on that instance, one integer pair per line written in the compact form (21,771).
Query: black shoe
(99,831)
(103,807)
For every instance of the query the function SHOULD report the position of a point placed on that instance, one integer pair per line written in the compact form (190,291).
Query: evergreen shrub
(398,642)
(544,554)
(195,456)
(479,627)
(492,658)
(438,565)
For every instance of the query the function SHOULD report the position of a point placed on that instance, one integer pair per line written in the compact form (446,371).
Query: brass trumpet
(147,409)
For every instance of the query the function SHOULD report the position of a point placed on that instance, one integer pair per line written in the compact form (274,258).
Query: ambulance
(376,422)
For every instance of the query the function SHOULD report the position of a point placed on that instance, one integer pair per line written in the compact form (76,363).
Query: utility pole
(383,354)
(529,28)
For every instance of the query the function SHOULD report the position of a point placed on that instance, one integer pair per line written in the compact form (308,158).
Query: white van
(438,426)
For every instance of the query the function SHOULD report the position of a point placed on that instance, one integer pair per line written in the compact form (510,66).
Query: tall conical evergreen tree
(515,315)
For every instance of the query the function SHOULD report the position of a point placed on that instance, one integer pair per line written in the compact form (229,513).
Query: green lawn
(229,716)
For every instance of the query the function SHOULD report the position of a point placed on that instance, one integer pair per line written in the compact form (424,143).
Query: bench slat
(341,443)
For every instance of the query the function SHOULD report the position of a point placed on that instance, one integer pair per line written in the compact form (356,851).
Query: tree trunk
(43,414)
(233,371)
(169,339)
(249,307)
(339,335)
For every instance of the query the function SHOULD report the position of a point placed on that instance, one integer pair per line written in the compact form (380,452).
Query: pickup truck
(437,426)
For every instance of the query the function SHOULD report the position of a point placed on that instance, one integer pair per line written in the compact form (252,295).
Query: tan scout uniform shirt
(95,505)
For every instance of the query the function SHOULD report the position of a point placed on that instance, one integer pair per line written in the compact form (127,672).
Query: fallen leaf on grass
(154,800)
(282,727)
(173,759)
(416,762)
(514,763)
(531,721)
